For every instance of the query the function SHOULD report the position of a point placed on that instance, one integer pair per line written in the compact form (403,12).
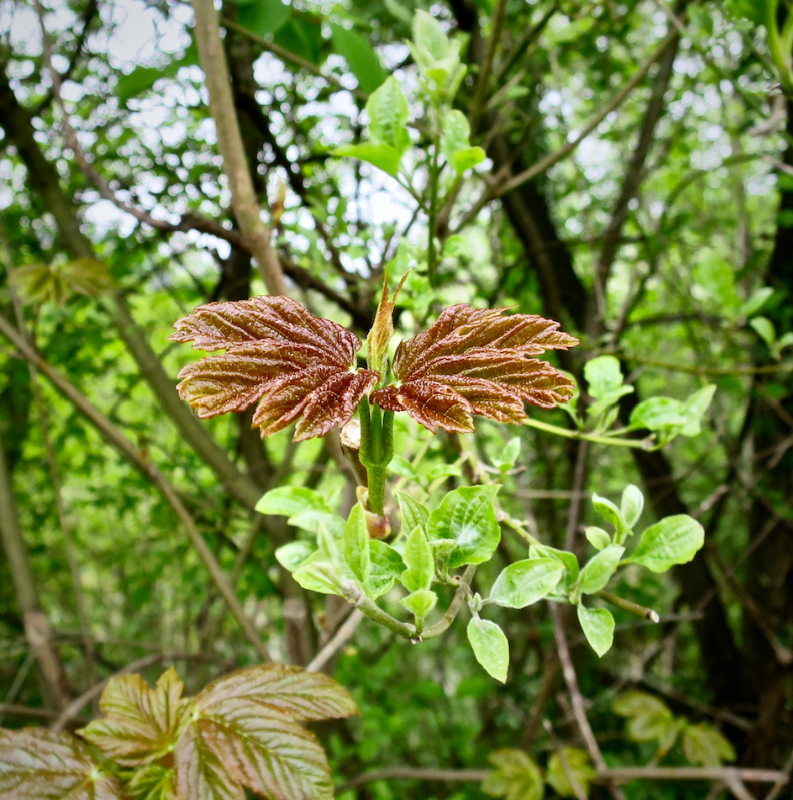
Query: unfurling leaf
(490,647)
(631,505)
(413,513)
(597,537)
(419,561)
(467,516)
(382,330)
(579,765)
(477,361)
(515,777)
(297,365)
(355,540)
(140,724)
(386,567)
(41,283)
(36,764)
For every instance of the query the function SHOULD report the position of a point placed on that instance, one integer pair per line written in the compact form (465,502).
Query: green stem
(377,450)
(639,444)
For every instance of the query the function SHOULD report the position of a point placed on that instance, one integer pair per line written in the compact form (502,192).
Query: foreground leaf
(598,627)
(244,732)
(477,361)
(297,365)
(140,724)
(525,582)
(36,764)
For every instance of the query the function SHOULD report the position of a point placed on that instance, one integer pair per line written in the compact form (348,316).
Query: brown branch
(482,84)
(339,639)
(232,150)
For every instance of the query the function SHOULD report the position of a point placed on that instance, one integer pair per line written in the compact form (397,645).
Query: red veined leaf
(36,764)
(140,724)
(298,366)
(245,732)
(477,361)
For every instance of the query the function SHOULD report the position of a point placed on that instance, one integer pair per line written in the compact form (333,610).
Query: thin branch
(232,150)
(569,774)
(499,186)
(339,639)
(627,605)
(568,671)
(482,84)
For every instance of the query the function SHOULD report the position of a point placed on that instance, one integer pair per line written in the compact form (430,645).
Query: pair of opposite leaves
(241,731)
(300,367)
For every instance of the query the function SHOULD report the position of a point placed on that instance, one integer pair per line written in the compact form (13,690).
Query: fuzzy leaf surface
(140,724)
(477,362)
(297,366)
(36,764)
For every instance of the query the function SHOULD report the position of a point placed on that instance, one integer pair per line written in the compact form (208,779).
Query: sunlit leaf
(297,365)
(490,647)
(477,361)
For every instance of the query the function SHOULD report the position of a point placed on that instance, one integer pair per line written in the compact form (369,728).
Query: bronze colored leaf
(477,361)
(297,365)
(244,731)
(141,725)
(36,764)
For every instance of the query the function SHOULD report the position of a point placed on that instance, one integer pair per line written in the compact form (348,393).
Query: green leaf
(764,328)
(507,459)
(604,378)
(525,582)
(598,570)
(302,35)
(694,409)
(382,156)
(290,556)
(516,776)
(455,145)
(386,567)
(388,116)
(467,516)
(703,744)
(36,764)
(649,719)
(598,627)
(580,766)
(420,603)
(419,561)
(568,560)
(263,17)
(673,540)
(152,783)
(757,300)
(320,576)
(490,647)
(414,514)
(656,413)
(360,57)
(597,537)
(754,10)
(632,505)
(606,509)
(140,724)
(428,34)
(355,543)
(287,501)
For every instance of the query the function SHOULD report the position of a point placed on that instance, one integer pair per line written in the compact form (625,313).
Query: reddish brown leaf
(36,764)
(477,361)
(297,365)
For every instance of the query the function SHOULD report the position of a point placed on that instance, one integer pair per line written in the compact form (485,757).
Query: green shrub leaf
(598,627)
(490,647)
(526,582)
(673,540)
